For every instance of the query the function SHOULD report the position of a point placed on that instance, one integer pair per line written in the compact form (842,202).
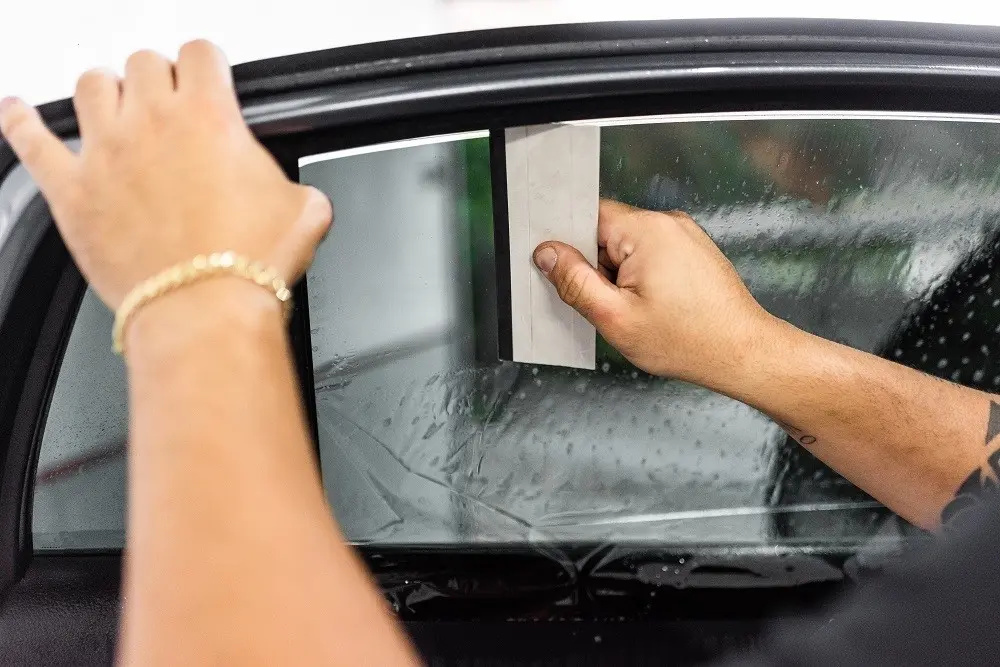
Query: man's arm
(225,497)
(232,556)
(907,438)
(673,304)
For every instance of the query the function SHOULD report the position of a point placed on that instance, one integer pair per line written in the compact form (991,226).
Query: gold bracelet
(198,269)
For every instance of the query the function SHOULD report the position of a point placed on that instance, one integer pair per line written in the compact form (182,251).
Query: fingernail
(545,259)
(7,103)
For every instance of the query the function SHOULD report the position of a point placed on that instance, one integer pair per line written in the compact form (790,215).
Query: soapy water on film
(427,445)
(855,236)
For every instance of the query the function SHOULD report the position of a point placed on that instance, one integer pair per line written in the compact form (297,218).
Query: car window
(843,226)
(876,231)
(80,482)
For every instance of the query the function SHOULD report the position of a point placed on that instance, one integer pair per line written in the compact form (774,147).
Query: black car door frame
(343,98)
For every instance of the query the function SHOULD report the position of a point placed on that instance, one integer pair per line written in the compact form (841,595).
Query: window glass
(80,483)
(857,229)
(877,232)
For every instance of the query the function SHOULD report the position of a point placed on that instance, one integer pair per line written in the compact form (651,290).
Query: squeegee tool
(545,187)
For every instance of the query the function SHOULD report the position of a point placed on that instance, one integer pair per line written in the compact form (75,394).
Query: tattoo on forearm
(977,488)
(993,425)
(981,485)
(798,434)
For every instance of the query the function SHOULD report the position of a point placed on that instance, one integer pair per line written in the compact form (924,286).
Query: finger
(579,284)
(617,229)
(309,229)
(42,153)
(317,214)
(148,77)
(610,211)
(202,69)
(97,99)
(604,260)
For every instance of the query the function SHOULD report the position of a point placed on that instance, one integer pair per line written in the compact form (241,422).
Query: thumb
(579,284)
(297,249)
(317,213)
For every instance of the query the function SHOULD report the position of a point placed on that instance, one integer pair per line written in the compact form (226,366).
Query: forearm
(224,495)
(905,437)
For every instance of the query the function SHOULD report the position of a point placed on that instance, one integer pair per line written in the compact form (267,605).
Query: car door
(846,168)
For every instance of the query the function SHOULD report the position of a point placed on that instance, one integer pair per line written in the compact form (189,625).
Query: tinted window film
(852,228)
(877,232)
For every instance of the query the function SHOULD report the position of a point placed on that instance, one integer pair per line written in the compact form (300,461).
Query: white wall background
(45,44)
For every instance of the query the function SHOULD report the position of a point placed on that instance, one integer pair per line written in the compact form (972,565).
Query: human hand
(167,171)
(664,295)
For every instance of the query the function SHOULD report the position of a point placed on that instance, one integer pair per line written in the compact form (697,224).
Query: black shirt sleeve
(936,607)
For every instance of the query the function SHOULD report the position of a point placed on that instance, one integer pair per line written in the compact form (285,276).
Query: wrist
(763,344)
(213,312)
